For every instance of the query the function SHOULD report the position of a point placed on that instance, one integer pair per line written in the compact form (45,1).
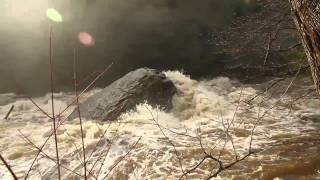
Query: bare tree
(306,15)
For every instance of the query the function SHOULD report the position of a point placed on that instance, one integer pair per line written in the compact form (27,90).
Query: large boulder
(124,94)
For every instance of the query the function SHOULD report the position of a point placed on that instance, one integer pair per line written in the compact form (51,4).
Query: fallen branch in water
(9,112)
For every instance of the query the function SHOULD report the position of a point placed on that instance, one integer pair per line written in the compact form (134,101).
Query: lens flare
(54,15)
(86,39)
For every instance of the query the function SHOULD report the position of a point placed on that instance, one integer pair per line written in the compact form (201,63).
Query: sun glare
(86,39)
(54,15)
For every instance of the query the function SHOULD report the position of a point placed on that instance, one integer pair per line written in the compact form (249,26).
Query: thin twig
(43,111)
(25,138)
(222,168)
(124,156)
(170,141)
(268,50)
(88,87)
(8,167)
(62,121)
(105,154)
(52,104)
(79,113)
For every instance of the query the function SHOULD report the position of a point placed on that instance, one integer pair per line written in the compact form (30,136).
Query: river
(281,125)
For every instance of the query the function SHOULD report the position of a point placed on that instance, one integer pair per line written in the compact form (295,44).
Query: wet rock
(124,94)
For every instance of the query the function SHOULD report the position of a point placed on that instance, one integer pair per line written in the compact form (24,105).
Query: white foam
(206,104)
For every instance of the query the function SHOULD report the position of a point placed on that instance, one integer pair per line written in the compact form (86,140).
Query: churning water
(149,143)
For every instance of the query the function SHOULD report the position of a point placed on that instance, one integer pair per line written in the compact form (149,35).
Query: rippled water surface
(148,143)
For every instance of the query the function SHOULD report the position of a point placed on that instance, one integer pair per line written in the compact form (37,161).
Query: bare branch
(52,103)
(79,113)
(8,167)
(124,156)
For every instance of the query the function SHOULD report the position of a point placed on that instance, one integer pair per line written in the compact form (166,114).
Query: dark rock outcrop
(124,94)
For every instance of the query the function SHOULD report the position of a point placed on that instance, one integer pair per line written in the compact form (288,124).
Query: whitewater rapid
(286,131)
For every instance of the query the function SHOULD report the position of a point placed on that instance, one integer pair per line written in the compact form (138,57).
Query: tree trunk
(306,15)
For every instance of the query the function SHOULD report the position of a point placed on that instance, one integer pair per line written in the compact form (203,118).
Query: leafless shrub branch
(25,138)
(79,112)
(52,104)
(8,167)
(122,157)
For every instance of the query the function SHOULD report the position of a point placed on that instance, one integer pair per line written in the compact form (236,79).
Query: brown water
(286,139)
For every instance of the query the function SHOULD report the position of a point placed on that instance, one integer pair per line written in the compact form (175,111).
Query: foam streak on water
(286,136)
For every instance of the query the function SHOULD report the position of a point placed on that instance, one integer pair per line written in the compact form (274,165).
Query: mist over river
(161,34)
(285,139)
